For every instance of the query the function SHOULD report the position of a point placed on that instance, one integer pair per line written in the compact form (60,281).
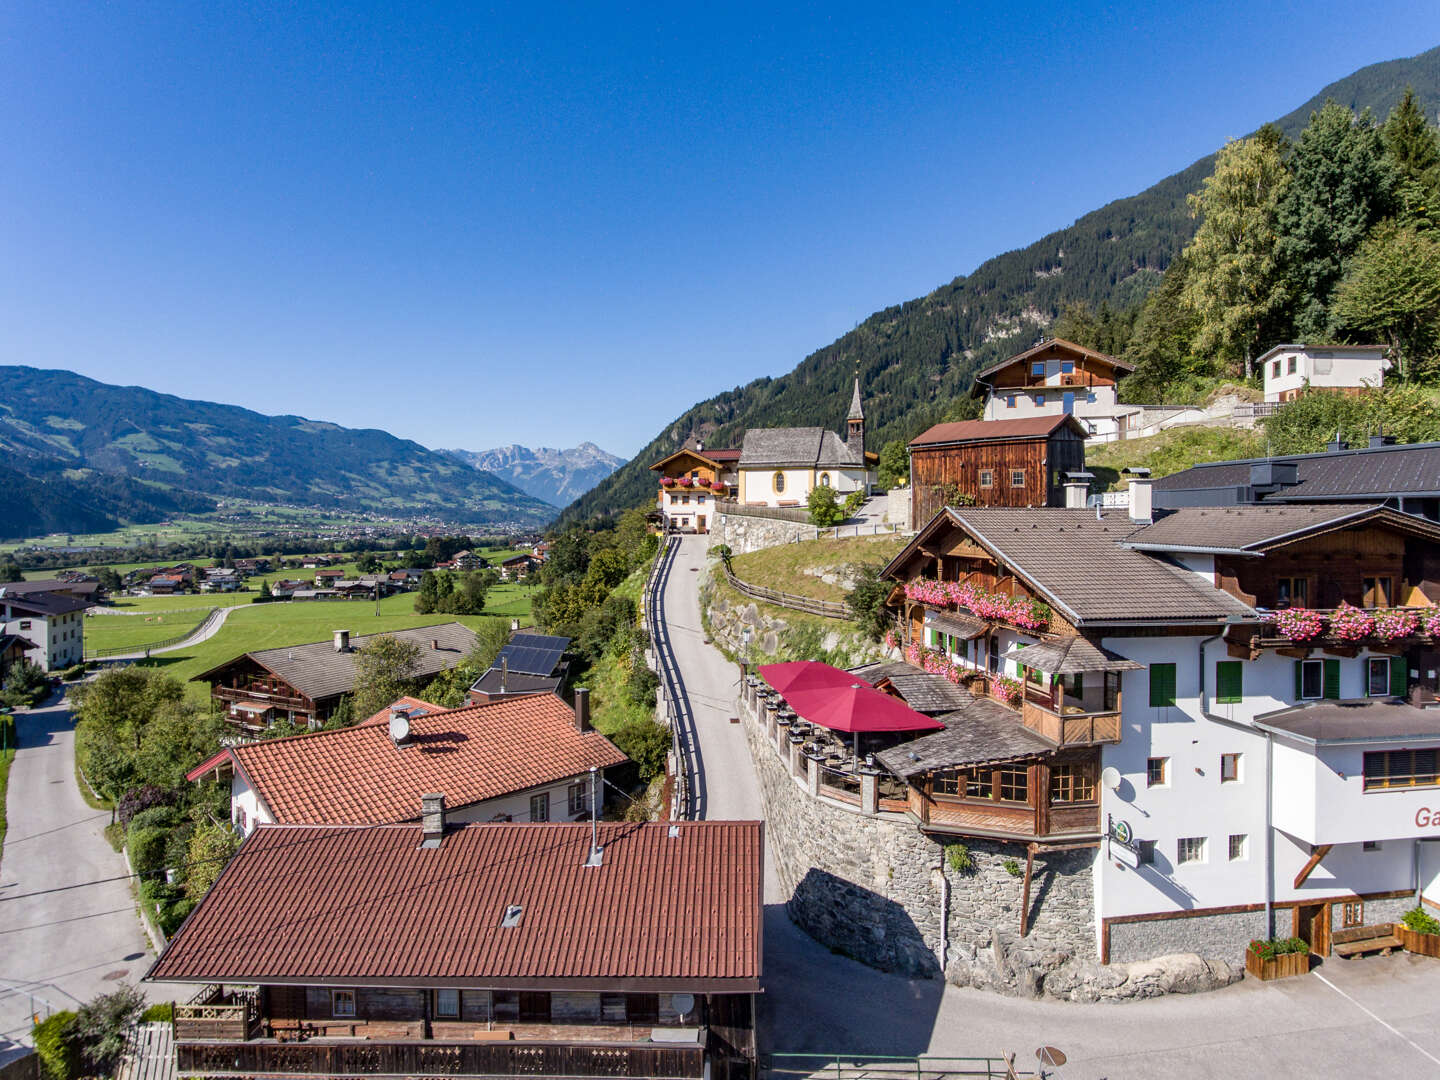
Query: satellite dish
(1110,777)
(683,1003)
(399,727)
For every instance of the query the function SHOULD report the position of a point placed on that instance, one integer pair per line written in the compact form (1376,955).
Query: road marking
(1389,1027)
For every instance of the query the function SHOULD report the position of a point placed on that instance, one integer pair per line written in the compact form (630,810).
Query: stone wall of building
(743,533)
(882,892)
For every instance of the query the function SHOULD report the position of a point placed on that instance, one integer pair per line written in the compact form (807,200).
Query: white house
(1256,684)
(1288,369)
(1058,377)
(518,759)
(52,624)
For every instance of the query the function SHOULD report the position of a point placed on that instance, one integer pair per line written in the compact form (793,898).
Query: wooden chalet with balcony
(304,684)
(476,950)
(691,481)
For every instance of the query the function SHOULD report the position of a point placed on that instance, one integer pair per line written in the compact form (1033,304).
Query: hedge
(57,1046)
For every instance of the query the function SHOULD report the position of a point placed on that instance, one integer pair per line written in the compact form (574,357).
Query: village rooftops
(671,906)
(1364,473)
(319,670)
(1080,565)
(804,447)
(923,691)
(973,431)
(357,775)
(712,457)
(1251,530)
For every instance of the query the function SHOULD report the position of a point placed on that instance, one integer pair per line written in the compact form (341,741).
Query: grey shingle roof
(808,446)
(1080,564)
(1252,528)
(1347,474)
(319,672)
(922,691)
(980,733)
(1070,656)
(516,683)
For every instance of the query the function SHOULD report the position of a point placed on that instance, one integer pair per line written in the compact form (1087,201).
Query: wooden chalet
(304,684)
(691,480)
(476,950)
(1052,364)
(994,463)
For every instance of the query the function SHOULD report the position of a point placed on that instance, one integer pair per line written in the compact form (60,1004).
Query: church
(781,466)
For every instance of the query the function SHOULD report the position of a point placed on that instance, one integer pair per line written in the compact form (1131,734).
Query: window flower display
(1351,623)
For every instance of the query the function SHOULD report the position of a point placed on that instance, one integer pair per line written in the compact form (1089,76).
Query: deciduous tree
(384,671)
(1393,289)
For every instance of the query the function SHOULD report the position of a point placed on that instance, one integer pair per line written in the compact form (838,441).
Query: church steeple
(855,425)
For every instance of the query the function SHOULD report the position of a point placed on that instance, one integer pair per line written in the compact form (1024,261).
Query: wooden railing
(232,693)
(439,1059)
(776,513)
(828,609)
(212,1015)
(1071,729)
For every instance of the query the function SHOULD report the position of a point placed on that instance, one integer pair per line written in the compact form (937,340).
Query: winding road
(1372,1016)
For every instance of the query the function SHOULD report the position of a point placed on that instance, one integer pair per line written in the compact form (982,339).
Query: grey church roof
(856,412)
(798,447)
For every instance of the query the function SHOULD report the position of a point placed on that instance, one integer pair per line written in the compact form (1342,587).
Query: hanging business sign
(1120,842)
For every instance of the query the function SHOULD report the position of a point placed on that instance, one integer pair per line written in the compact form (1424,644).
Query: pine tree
(1393,288)
(1234,282)
(1344,183)
(1412,144)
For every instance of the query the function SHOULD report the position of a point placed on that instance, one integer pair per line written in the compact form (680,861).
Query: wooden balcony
(1071,729)
(436,1058)
(269,697)
(213,1015)
(1006,821)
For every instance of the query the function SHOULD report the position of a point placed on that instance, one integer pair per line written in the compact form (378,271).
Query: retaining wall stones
(743,533)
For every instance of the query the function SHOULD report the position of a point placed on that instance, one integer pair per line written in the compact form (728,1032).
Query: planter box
(1277,967)
(1424,944)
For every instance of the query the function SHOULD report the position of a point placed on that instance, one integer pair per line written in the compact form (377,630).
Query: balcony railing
(212,1014)
(429,1058)
(268,697)
(1071,729)
(1344,627)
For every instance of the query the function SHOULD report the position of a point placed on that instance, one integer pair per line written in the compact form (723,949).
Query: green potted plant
(1277,958)
(1419,932)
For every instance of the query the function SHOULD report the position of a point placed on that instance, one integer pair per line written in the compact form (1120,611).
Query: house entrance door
(700,524)
(1312,925)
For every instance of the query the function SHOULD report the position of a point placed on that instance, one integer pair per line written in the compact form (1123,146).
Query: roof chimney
(1337,444)
(514,625)
(1141,498)
(1381,439)
(435,643)
(504,672)
(582,709)
(1077,489)
(432,820)
(342,640)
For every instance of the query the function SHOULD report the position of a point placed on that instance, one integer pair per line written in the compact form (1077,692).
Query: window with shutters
(1378,677)
(1229,675)
(1162,685)
(1309,679)
(1037,368)
(1400,769)
(1332,679)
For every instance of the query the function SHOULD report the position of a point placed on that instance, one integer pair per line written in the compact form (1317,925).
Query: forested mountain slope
(916,358)
(50,418)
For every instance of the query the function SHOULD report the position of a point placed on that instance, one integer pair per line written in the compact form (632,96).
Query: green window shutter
(1077,684)
(1162,685)
(1399,672)
(1332,679)
(1229,676)
(1299,679)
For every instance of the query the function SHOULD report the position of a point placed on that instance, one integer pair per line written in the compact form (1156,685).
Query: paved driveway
(63,937)
(1378,1016)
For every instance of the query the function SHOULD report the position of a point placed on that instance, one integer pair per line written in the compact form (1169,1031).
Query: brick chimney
(432,820)
(582,709)
(435,643)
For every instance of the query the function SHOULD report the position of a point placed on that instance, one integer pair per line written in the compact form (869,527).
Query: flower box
(1418,942)
(1266,964)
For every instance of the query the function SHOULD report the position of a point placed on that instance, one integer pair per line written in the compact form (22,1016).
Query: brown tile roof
(407,702)
(1031,427)
(1255,528)
(1080,566)
(319,672)
(358,776)
(347,905)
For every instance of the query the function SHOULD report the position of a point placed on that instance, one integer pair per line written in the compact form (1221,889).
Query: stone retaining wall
(743,533)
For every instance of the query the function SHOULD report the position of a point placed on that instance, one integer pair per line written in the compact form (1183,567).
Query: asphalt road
(63,937)
(1378,1016)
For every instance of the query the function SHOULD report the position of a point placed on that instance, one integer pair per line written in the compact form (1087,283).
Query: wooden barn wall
(1043,462)
(1334,565)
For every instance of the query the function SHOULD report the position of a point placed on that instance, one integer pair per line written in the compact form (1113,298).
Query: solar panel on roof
(530,660)
(540,641)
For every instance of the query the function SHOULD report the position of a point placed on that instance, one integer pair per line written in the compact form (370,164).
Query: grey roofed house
(1252,529)
(1408,476)
(797,448)
(320,670)
(40,604)
(982,732)
(1080,564)
(921,690)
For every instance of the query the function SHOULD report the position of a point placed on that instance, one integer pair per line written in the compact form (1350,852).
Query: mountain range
(125,453)
(915,359)
(557,477)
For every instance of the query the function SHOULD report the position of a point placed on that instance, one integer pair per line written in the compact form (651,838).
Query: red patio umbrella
(801,675)
(859,709)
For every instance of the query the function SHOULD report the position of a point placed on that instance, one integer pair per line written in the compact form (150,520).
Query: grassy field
(1171,451)
(785,567)
(107,633)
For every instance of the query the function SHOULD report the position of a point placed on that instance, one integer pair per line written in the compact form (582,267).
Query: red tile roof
(358,776)
(407,702)
(1034,427)
(347,905)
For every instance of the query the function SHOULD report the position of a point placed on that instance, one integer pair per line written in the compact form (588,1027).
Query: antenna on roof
(597,853)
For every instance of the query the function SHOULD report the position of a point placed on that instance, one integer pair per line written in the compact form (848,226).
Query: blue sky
(546,223)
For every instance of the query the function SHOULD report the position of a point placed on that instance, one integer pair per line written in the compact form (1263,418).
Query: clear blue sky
(543,224)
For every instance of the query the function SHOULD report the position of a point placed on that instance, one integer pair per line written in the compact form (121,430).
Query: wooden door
(700,523)
(1312,925)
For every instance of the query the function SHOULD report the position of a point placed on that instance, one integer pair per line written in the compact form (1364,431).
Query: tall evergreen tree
(1343,184)
(1393,289)
(1412,144)
(1234,282)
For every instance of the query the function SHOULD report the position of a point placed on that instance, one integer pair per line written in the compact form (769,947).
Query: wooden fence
(777,513)
(828,609)
(149,647)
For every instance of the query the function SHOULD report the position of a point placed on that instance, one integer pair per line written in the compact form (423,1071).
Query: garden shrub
(157,817)
(141,798)
(147,849)
(646,743)
(1420,921)
(163,1011)
(57,1046)
(101,1025)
